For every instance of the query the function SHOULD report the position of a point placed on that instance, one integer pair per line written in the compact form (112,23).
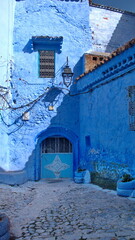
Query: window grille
(131,91)
(56,145)
(46,68)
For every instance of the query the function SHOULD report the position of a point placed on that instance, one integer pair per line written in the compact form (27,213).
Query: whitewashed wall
(6,33)
(6,58)
(110,29)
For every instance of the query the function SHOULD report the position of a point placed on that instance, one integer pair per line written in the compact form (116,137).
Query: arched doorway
(56,158)
(67,140)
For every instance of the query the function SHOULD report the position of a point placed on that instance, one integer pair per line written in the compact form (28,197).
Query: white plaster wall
(103,24)
(6,55)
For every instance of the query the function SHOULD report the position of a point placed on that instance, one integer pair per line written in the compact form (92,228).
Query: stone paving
(63,210)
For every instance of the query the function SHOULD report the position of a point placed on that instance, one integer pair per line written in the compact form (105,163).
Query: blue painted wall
(44,18)
(107,144)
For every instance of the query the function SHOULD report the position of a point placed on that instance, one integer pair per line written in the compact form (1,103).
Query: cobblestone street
(63,210)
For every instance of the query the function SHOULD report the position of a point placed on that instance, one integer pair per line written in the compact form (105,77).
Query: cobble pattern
(67,211)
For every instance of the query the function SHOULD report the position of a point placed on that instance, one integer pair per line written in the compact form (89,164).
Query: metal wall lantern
(67,75)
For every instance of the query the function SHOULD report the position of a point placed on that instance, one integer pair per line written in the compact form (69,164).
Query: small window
(95,58)
(46,64)
(101,58)
(131,91)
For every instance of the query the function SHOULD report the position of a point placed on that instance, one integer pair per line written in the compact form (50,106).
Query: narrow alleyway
(63,210)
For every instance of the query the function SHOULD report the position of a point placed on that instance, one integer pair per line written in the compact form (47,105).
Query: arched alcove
(51,132)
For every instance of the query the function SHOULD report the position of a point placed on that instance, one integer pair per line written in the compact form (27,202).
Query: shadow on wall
(123,33)
(68,113)
(51,95)
(2,170)
(28,47)
(79,68)
(67,118)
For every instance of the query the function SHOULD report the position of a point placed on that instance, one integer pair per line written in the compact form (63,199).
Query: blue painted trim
(109,71)
(55,131)
(48,43)
(104,80)
(38,64)
(47,40)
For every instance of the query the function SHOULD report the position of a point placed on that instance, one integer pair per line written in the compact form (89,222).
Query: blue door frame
(55,131)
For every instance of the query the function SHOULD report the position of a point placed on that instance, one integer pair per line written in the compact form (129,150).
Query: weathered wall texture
(100,119)
(6,38)
(107,145)
(110,29)
(44,18)
(6,57)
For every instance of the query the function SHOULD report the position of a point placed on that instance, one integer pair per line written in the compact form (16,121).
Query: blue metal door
(57,158)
